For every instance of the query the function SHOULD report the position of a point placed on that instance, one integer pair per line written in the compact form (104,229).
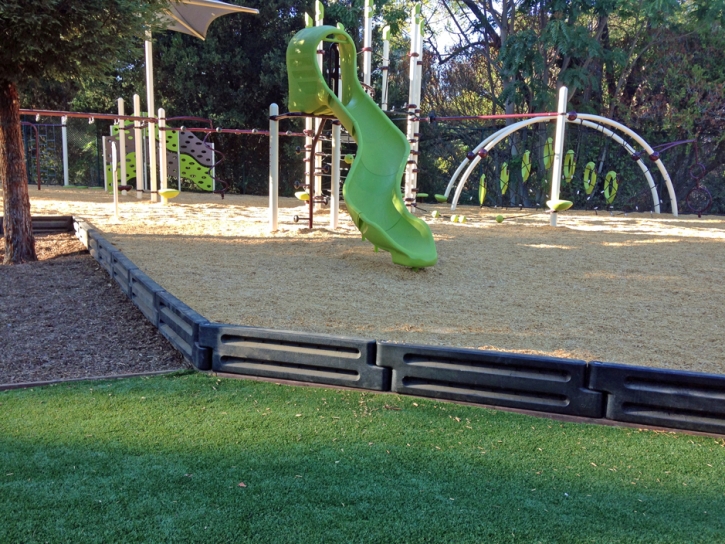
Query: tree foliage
(53,41)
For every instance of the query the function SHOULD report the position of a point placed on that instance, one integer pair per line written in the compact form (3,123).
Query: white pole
(114,170)
(105,162)
(163,159)
(64,137)
(108,187)
(317,164)
(273,166)
(336,157)
(416,124)
(151,126)
(138,145)
(122,140)
(367,41)
(558,150)
(414,34)
(385,67)
(212,171)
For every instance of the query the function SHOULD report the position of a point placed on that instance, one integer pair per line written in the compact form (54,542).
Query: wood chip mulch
(62,317)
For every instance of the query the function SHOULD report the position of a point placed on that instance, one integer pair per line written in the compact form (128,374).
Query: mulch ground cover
(62,317)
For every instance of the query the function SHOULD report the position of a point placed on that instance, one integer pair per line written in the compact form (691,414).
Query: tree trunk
(17,226)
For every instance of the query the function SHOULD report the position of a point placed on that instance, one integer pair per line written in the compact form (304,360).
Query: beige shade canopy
(193,17)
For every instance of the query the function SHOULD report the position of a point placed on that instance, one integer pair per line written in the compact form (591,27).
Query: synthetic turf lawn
(161,459)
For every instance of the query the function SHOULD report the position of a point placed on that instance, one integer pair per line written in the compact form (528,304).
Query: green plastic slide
(372,187)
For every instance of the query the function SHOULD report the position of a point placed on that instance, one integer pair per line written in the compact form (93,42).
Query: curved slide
(372,187)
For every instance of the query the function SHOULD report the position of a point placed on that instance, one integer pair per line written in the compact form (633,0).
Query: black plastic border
(527,382)
(648,396)
(289,355)
(667,398)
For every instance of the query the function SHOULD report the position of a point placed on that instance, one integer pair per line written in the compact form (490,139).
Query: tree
(53,40)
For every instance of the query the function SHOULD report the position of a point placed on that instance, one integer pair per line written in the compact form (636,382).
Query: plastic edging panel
(81,228)
(100,249)
(121,267)
(142,292)
(47,224)
(667,398)
(288,355)
(180,325)
(487,377)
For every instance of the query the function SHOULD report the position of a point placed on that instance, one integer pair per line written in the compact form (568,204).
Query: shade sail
(193,17)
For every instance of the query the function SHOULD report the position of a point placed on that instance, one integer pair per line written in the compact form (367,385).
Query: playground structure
(595,122)
(376,204)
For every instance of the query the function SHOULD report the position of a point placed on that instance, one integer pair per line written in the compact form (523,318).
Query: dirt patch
(639,289)
(62,317)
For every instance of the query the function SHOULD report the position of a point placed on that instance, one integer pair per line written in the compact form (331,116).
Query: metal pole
(367,41)
(417,89)
(105,163)
(151,124)
(273,166)
(385,67)
(114,170)
(138,146)
(64,137)
(316,164)
(558,150)
(412,106)
(163,160)
(122,140)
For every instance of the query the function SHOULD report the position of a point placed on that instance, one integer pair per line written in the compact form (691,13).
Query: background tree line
(654,65)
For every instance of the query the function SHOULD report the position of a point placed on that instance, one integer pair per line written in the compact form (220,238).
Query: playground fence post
(104,140)
(114,178)
(122,139)
(163,161)
(64,137)
(558,150)
(138,146)
(273,166)
(316,165)
(151,126)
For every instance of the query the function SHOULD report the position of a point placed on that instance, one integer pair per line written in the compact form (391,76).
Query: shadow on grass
(162,459)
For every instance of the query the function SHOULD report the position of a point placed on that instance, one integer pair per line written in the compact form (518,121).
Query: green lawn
(162,460)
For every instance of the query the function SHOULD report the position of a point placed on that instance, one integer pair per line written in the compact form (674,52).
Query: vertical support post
(213,168)
(558,150)
(367,41)
(114,174)
(273,166)
(335,185)
(138,146)
(64,137)
(104,143)
(163,160)
(109,188)
(152,126)
(385,67)
(414,146)
(316,164)
(122,140)
(336,158)
(412,104)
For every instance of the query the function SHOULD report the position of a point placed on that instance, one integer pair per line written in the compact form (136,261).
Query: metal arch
(614,136)
(488,144)
(495,138)
(637,138)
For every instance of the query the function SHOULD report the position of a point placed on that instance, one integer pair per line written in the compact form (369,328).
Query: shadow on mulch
(62,317)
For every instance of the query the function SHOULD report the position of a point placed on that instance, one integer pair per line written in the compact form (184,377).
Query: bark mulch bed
(62,317)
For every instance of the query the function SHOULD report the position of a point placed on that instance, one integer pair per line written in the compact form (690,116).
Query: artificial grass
(162,459)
